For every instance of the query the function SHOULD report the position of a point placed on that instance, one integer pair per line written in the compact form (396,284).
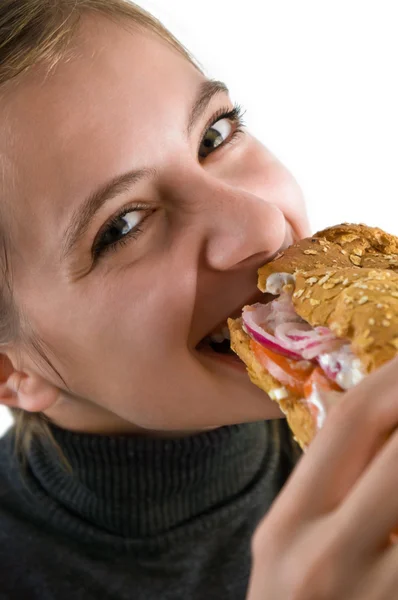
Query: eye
(225,127)
(118,229)
(215,136)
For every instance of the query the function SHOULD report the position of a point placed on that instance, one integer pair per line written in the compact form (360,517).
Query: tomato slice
(318,381)
(290,373)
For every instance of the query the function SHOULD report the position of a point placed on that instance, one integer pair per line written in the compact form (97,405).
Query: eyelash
(235,116)
(100,250)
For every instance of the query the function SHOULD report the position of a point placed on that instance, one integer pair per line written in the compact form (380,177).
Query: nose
(239,227)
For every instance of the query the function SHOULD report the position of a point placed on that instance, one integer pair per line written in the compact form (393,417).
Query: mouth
(217,341)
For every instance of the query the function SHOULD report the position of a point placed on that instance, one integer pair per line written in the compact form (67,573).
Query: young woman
(135,211)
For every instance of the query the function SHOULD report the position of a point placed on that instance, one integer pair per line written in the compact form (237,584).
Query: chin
(227,397)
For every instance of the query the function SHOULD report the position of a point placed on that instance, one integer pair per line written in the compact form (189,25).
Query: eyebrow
(86,211)
(207,91)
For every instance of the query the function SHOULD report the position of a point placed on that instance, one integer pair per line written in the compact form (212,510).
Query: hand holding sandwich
(327,534)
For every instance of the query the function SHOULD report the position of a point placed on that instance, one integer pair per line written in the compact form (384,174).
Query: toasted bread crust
(297,412)
(350,286)
(346,278)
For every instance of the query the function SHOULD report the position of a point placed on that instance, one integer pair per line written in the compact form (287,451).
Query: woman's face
(122,283)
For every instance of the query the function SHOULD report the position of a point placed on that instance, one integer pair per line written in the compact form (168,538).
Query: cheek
(258,172)
(135,315)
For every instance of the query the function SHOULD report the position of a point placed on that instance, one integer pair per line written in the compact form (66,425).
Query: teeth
(226,334)
(220,336)
(217,337)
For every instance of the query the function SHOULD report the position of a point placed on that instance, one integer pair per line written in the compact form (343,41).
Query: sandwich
(329,318)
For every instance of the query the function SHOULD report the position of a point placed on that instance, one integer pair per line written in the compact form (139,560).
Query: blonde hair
(40,31)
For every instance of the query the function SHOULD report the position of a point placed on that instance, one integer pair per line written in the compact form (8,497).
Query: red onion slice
(252,317)
(278,327)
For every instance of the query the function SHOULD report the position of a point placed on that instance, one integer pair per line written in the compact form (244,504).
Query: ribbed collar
(137,487)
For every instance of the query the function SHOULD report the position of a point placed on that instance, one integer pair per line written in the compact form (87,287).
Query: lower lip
(229,359)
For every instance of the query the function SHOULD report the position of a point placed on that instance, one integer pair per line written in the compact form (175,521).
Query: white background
(319,81)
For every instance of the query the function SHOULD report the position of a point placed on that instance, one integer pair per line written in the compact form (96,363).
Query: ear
(25,389)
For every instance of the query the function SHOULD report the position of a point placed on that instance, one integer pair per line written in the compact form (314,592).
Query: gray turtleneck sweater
(139,519)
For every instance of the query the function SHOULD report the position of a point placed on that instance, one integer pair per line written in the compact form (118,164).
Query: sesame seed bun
(346,279)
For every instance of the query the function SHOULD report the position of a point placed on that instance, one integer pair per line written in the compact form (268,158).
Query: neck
(82,416)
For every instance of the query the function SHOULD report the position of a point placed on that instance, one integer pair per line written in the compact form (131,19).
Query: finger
(353,432)
(381,581)
(370,511)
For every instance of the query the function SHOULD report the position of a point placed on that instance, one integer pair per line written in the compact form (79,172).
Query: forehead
(98,114)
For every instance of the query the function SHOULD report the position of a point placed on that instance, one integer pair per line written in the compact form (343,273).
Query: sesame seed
(298,294)
(355,260)
(360,286)
(314,302)
(310,252)
(363,300)
(311,280)
(371,322)
(349,237)
(385,323)
(324,279)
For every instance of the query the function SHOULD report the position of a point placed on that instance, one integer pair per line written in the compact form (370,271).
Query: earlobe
(26,390)
(33,393)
